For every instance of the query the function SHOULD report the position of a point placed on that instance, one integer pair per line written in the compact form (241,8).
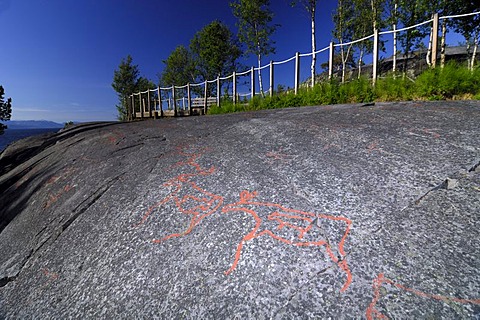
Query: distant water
(11,135)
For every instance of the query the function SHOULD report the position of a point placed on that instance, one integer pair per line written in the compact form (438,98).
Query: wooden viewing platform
(152,108)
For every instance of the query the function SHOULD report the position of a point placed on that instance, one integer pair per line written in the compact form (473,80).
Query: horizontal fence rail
(190,98)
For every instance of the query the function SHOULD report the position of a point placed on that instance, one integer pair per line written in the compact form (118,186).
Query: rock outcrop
(334,211)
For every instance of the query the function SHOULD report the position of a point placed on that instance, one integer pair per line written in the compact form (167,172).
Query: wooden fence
(150,104)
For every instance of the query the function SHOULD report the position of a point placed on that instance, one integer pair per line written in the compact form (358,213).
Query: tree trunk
(342,54)
(429,50)
(443,43)
(314,44)
(474,55)
(469,60)
(394,67)
(374,12)
(407,51)
(260,85)
(344,61)
(360,61)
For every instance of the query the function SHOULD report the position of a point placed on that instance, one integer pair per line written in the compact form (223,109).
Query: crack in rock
(87,203)
(475,168)
(10,270)
(448,183)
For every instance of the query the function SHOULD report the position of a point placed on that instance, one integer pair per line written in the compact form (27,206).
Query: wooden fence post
(434,40)
(148,104)
(133,106)
(218,91)
(205,101)
(234,87)
(375,57)
(252,81)
(174,101)
(297,72)
(160,101)
(330,61)
(141,105)
(271,78)
(189,99)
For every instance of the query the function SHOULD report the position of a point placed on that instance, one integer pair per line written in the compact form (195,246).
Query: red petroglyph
(64,174)
(26,177)
(115,137)
(277,156)
(190,199)
(299,221)
(373,147)
(373,313)
(187,196)
(421,133)
(53,197)
(432,133)
(330,145)
(50,275)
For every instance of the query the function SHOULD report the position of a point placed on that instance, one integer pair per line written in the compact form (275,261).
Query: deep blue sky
(57,57)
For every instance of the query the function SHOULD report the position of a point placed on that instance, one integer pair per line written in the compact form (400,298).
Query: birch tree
(363,27)
(410,12)
(391,18)
(310,6)
(469,27)
(255,29)
(377,7)
(343,30)
(442,7)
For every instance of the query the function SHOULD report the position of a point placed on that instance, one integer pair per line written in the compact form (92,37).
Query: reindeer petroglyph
(291,223)
(187,196)
(288,226)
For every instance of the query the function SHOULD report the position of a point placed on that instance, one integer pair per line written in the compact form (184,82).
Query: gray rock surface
(316,212)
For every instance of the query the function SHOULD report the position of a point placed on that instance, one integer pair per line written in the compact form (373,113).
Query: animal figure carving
(187,196)
(381,280)
(294,224)
(288,226)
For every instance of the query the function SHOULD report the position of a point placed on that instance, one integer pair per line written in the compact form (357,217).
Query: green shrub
(448,82)
(434,84)
(394,88)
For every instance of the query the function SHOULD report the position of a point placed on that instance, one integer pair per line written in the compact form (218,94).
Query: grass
(451,82)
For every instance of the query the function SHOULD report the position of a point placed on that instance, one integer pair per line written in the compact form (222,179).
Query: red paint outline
(246,199)
(372,313)
(207,202)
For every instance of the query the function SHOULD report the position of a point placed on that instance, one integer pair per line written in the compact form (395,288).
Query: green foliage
(255,28)
(411,12)
(179,68)
(450,82)
(68,124)
(394,88)
(215,51)
(254,25)
(5,109)
(127,80)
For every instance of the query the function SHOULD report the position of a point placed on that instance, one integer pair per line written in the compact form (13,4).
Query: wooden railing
(150,104)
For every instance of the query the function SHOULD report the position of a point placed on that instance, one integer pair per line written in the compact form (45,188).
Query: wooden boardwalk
(198,106)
